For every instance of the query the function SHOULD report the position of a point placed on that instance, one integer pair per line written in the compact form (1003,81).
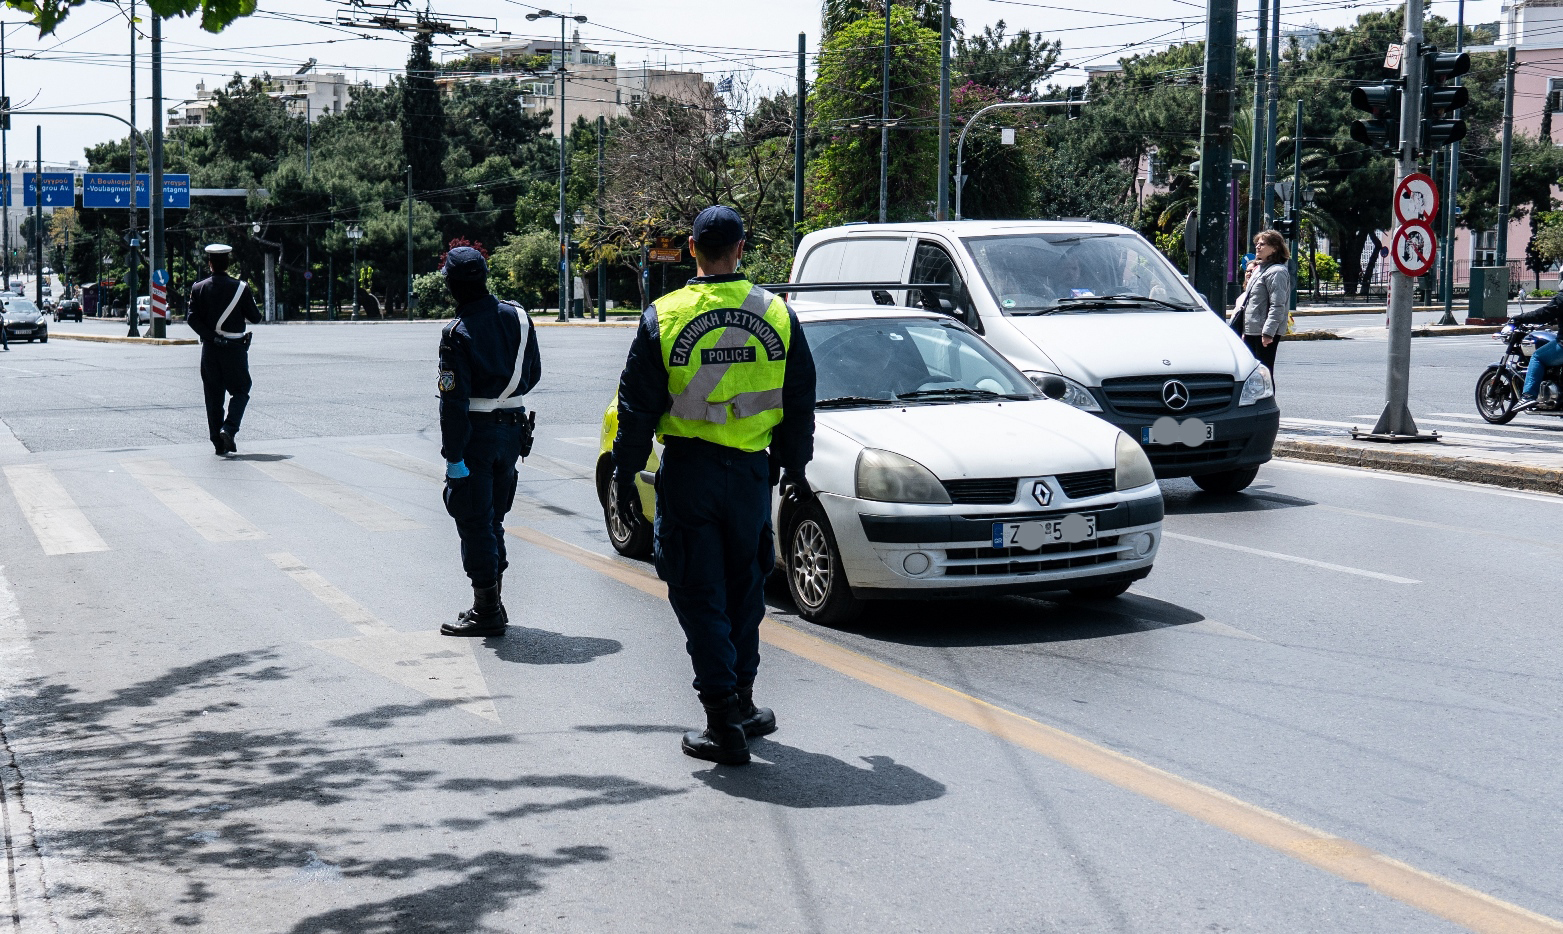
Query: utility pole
(1215,157)
(158,324)
(884,125)
(1508,151)
(1395,423)
(38,223)
(1272,109)
(133,266)
(602,188)
(5,166)
(409,242)
(1452,190)
(942,211)
(797,149)
(1295,208)
(1257,141)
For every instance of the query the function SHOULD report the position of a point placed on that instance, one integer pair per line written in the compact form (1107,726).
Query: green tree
(215,14)
(1013,66)
(844,179)
(423,119)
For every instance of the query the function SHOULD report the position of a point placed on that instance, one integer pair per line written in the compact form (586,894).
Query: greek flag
(725,86)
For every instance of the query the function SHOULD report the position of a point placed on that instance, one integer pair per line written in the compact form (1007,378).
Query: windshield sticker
(684,343)
(1009,303)
(895,337)
(1081,293)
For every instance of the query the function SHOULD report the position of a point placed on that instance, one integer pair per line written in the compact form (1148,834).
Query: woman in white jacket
(1263,307)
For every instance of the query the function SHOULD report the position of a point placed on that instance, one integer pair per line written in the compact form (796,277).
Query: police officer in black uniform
(219,308)
(488,360)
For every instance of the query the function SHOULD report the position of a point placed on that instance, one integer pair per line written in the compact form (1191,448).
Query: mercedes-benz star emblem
(1175,395)
(1041,493)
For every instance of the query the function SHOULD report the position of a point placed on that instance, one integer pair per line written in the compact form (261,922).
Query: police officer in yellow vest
(721,372)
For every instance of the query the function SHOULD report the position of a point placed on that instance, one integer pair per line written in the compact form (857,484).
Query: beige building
(311,93)
(596,85)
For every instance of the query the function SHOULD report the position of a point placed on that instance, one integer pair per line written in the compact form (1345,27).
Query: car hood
(22,317)
(973,440)
(1095,345)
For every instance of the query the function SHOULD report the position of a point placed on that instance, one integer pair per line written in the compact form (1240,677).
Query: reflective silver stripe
(695,404)
(234,303)
(504,401)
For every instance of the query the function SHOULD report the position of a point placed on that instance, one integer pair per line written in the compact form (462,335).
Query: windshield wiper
(954,391)
(1087,301)
(843,402)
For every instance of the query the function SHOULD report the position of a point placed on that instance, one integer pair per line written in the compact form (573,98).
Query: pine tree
(423,119)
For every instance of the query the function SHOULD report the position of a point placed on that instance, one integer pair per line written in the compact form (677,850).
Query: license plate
(1168,430)
(1030,536)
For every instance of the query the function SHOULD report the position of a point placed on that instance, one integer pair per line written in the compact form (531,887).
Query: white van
(1093,303)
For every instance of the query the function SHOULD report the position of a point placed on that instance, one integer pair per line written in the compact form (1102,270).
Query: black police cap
(717,226)
(465,264)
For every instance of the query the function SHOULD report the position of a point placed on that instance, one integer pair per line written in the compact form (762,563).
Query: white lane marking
(62,528)
(1325,565)
(350,505)
(10,445)
(436,666)
(1540,433)
(1423,523)
(186,499)
(525,506)
(1482,440)
(1391,476)
(583,442)
(356,614)
(1550,423)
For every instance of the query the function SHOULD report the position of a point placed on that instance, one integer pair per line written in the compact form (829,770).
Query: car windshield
(874,361)
(1046,273)
(20,306)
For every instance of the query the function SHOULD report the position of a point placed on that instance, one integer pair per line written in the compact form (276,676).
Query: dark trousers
(480,501)
(713,548)
(225,369)
(1263,354)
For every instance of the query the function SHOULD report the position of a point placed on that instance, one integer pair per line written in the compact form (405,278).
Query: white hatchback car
(940,470)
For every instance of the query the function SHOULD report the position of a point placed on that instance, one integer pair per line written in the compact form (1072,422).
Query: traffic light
(1382,132)
(5,113)
(1286,227)
(1440,99)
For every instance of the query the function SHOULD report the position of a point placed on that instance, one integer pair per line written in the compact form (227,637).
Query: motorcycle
(1498,388)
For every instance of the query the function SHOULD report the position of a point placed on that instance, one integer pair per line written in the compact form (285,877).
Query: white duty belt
(221,319)
(505,400)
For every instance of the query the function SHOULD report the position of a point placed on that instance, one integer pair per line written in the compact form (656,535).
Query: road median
(114,339)
(1461,459)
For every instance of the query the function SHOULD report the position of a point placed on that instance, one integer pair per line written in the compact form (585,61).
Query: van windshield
(1047,273)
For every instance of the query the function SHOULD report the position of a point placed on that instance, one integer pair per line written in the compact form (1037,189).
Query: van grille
(995,492)
(1178,457)
(1087,483)
(1141,395)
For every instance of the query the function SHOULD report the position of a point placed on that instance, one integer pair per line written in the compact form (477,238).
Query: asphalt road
(226,710)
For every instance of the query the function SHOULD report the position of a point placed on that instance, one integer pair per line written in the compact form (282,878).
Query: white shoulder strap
(503,402)
(222,319)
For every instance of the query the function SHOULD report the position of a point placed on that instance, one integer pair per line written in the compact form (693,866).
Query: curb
(110,339)
(1317,334)
(1425,463)
(629,322)
(1346,334)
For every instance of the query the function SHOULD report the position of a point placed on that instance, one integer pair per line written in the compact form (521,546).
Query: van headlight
(891,478)
(1259,385)
(1074,393)
(1134,468)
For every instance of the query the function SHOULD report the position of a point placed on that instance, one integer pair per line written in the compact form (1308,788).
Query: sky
(85,65)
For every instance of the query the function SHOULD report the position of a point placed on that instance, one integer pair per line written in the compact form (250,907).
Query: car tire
(1226,481)
(816,579)
(629,536)
(44,338)
(1101,591)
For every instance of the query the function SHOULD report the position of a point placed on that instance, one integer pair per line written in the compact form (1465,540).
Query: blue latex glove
(457,471)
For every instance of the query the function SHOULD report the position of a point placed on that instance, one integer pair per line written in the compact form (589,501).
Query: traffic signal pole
(1258,140)
(1395,423)
(1507,163)
(1215,157)
(1451,191)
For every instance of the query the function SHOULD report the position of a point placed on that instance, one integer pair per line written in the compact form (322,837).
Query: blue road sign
(159,277)
(176,191)
(112,190)
(59,189)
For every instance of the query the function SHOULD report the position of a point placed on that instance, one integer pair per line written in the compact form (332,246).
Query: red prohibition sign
(1413,248)
(1416,198)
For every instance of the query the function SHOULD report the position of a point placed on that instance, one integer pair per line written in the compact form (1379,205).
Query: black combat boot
(486,618)
(723,740)
(756,721)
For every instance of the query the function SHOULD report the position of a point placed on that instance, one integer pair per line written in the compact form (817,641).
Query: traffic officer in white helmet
(220,306)
(721,372)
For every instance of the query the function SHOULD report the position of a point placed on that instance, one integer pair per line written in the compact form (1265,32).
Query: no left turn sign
(1413,248)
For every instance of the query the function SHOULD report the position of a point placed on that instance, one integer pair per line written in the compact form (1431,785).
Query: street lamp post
(960,143)
(355,233)
(564,233)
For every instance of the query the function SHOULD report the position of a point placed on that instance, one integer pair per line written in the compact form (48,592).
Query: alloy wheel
(811,563)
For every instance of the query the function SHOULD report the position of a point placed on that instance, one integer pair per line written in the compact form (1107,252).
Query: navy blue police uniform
(220,308)
(488,360)
(713,539)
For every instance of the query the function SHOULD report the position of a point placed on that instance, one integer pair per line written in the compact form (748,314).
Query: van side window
(853,259)
(932,264)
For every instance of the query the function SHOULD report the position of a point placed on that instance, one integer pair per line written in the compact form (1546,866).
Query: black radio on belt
(528,425)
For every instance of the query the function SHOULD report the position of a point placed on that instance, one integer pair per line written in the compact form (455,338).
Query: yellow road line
(1345,858)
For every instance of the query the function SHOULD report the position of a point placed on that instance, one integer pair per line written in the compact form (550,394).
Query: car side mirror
(1053,387)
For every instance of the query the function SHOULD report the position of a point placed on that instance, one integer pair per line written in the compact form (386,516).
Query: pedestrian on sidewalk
(219,308)
(488,361)
(1263,307)
(721,371)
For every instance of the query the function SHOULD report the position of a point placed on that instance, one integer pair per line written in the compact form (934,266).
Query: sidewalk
(1524,462)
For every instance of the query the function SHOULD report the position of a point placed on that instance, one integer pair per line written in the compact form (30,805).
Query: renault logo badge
(1041,493)
(1175,395)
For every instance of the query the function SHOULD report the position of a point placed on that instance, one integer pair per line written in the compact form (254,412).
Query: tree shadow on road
(796,778)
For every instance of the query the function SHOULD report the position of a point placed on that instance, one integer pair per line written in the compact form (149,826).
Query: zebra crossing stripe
(62,528)
(186,499)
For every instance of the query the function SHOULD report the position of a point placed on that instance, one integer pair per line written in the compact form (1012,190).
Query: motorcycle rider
(1549,350)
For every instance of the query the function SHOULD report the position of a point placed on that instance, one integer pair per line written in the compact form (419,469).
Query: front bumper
(26,330)
(877,540)
(1244,436)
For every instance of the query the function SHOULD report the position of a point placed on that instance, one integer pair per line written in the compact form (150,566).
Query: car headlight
(890,478)
(1259,385)
(1134,468)
(1074,393)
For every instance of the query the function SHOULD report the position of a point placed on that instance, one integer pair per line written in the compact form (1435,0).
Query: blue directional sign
(176,191)
(159,277)
(59,189)
(112,190)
